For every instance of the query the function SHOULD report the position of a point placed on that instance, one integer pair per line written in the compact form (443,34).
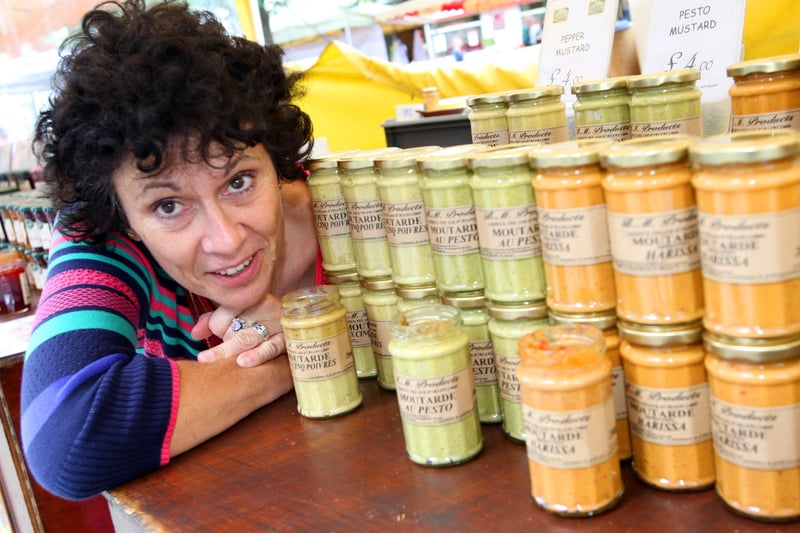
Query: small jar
(665,103)
(668,405)
(571,436)
(357,322)
(487,119)
(42,224)
(404,217)
(450,213)
(507,325)
(537,115)
(412,297)
(573,225)
(755,419)
(508,229)
(320,354)
(748,198)
(606,321)
(330,213)
(31,229)
(15,293)
(601,109)
(435,387)
(430,98)
(380,301)
(475,320)
(8,223)
(766,93)
(652,222)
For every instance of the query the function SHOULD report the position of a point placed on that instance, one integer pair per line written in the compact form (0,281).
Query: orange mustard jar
(748,198)
(765,93)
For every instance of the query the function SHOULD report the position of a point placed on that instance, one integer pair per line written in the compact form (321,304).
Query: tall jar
(475,320)
(606,321)
(765,93)
(357,322)
(450,213)
(507,325)
(665,103)
(404,217)
(487,119)
(601,109)
(652,220)
(537,115)
(320,354)
(668,405)
(380,301)
(412,297)
(330,213)
(573,225)
(435,387)
(748,197)
(755,419)
(571,436)
(508,229)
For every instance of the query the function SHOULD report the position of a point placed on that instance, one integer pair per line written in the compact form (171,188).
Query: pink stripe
(173,417)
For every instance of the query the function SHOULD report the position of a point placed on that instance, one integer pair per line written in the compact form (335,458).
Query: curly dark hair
(143,82)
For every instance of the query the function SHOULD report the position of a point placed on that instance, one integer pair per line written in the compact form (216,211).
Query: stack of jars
(27,224)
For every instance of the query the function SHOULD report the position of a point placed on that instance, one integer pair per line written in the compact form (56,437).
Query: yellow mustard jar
(765,93)
(487,119)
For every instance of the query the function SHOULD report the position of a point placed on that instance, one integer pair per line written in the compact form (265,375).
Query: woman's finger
(267,350)
(235,344)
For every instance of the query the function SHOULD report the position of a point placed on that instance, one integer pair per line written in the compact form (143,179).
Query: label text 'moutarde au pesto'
(508,233)
(436,400)
(452,230)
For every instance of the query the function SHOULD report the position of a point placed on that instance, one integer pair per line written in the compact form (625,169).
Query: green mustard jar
(320,354)
(508,226)
(601,109)
(487,119)
(380,301)
(507,325)
(537,115)
(665,103)
(357,321)
(435,386)
(475,319)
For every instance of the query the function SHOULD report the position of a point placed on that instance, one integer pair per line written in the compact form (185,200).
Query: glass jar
(755,419)
(435,387)
(606,321)
(487,119)
(665,103)
(404,217)
(766,93)
(537,115)
(450,213)
(571,436)
(31,229)
(507,325)
(412,297)
(573,225)
(508,229)
(748,198)
(475,320)
(380,301)
(330,213)
(430,98)
(15,293)
(320,354)
(601,109)
(357,322)
(652,219)
(668,405)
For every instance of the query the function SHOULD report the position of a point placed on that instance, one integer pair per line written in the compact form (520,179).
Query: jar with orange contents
(765,93)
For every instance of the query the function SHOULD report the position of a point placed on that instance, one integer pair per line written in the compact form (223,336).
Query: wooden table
(278,471)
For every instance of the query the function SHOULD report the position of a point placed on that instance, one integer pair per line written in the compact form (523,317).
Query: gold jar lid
(527,310)
(404,158)
(523,95)
(341,277)
(745,147)
(430,90)
(600,319)
(508,156)
(328,161)
(599,86)
(661,335)
(416,293)
(647,151)
(643,81)
(765,65)
(568,153)
(486,99)
(464,300)
(752,350)
(377,284)
(310,301)
(365,159)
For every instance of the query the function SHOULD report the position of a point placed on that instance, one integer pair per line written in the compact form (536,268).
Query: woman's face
(217,229)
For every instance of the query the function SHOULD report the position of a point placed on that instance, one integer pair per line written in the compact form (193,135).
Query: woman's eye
(240,183)
(167,208)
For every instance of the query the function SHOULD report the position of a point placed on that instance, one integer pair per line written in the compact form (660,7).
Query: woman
(170,149)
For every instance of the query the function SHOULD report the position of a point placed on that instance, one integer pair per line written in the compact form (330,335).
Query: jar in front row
(380,301)
(537,115)
(15,293)
(571,434)
(748,199)
(766,93)
(573,225)
(665,103)
(652,223)
(357,321)
(601,109)
(435,387)
(320,354)
(487,119)
(507,325)
(755,419)
(668,405)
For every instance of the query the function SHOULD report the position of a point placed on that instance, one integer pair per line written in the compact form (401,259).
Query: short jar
(665,103)
(487,119)
(601,109)
(15,293)
(537,115)
(380,301)
(357,322)
(766,93)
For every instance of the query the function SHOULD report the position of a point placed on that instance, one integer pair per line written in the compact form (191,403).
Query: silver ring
(238,324)
(261,329)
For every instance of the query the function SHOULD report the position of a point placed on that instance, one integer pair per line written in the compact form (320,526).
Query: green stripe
(103,259)
(80,320)
(174,341)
